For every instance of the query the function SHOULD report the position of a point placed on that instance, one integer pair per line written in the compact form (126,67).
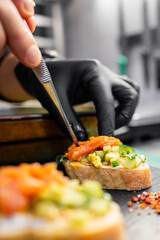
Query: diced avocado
(84,161)
(130,161)
(72,198)
(91,157)
(114,163)
(115,148)
(124,150)
(87,157)
(97,163)
(106,149)
(95,160)
(92,189)
(53,193)
(46,209)
(107,157)
(111,156)
(100,153)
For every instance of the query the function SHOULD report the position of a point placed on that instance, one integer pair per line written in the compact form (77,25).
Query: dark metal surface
(144,226)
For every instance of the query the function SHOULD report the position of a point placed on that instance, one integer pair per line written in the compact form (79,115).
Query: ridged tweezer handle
(45,79)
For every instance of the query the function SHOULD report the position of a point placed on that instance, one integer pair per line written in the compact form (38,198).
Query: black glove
(79,81)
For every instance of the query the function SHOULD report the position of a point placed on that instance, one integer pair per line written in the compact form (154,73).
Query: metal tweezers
(45,79)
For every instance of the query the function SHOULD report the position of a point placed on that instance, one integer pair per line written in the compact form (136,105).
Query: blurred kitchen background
(125,36)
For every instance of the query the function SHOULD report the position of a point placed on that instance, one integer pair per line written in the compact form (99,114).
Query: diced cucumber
(114,163)
(138,161)
(100,153)
(92,189)
(142,157)
(130,161)
(106,149)
(99,206)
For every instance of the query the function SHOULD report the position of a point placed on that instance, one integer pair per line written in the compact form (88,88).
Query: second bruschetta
(38,203)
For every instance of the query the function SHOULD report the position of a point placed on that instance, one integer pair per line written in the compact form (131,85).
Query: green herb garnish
(115,163)
(125,150)
(64,159)
(131,156)
(61,158)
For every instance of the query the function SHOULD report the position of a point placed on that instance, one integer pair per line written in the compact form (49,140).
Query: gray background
(90,29)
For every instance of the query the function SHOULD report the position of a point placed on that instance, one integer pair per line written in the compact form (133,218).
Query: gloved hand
(80,81)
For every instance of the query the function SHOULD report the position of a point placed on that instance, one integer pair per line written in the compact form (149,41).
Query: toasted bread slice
(112,178)
(109,227)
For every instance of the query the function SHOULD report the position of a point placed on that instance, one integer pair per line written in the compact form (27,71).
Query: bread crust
(109,227)
(112,178)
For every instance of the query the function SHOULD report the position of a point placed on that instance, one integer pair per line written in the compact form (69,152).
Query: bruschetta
(39,203)
(106,160)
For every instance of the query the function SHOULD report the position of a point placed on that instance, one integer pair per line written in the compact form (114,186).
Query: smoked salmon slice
(86,147)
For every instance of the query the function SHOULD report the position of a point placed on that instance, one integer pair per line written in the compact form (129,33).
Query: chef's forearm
(10,88)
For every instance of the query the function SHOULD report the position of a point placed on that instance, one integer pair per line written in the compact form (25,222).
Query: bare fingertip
(33,56)
(28,6)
